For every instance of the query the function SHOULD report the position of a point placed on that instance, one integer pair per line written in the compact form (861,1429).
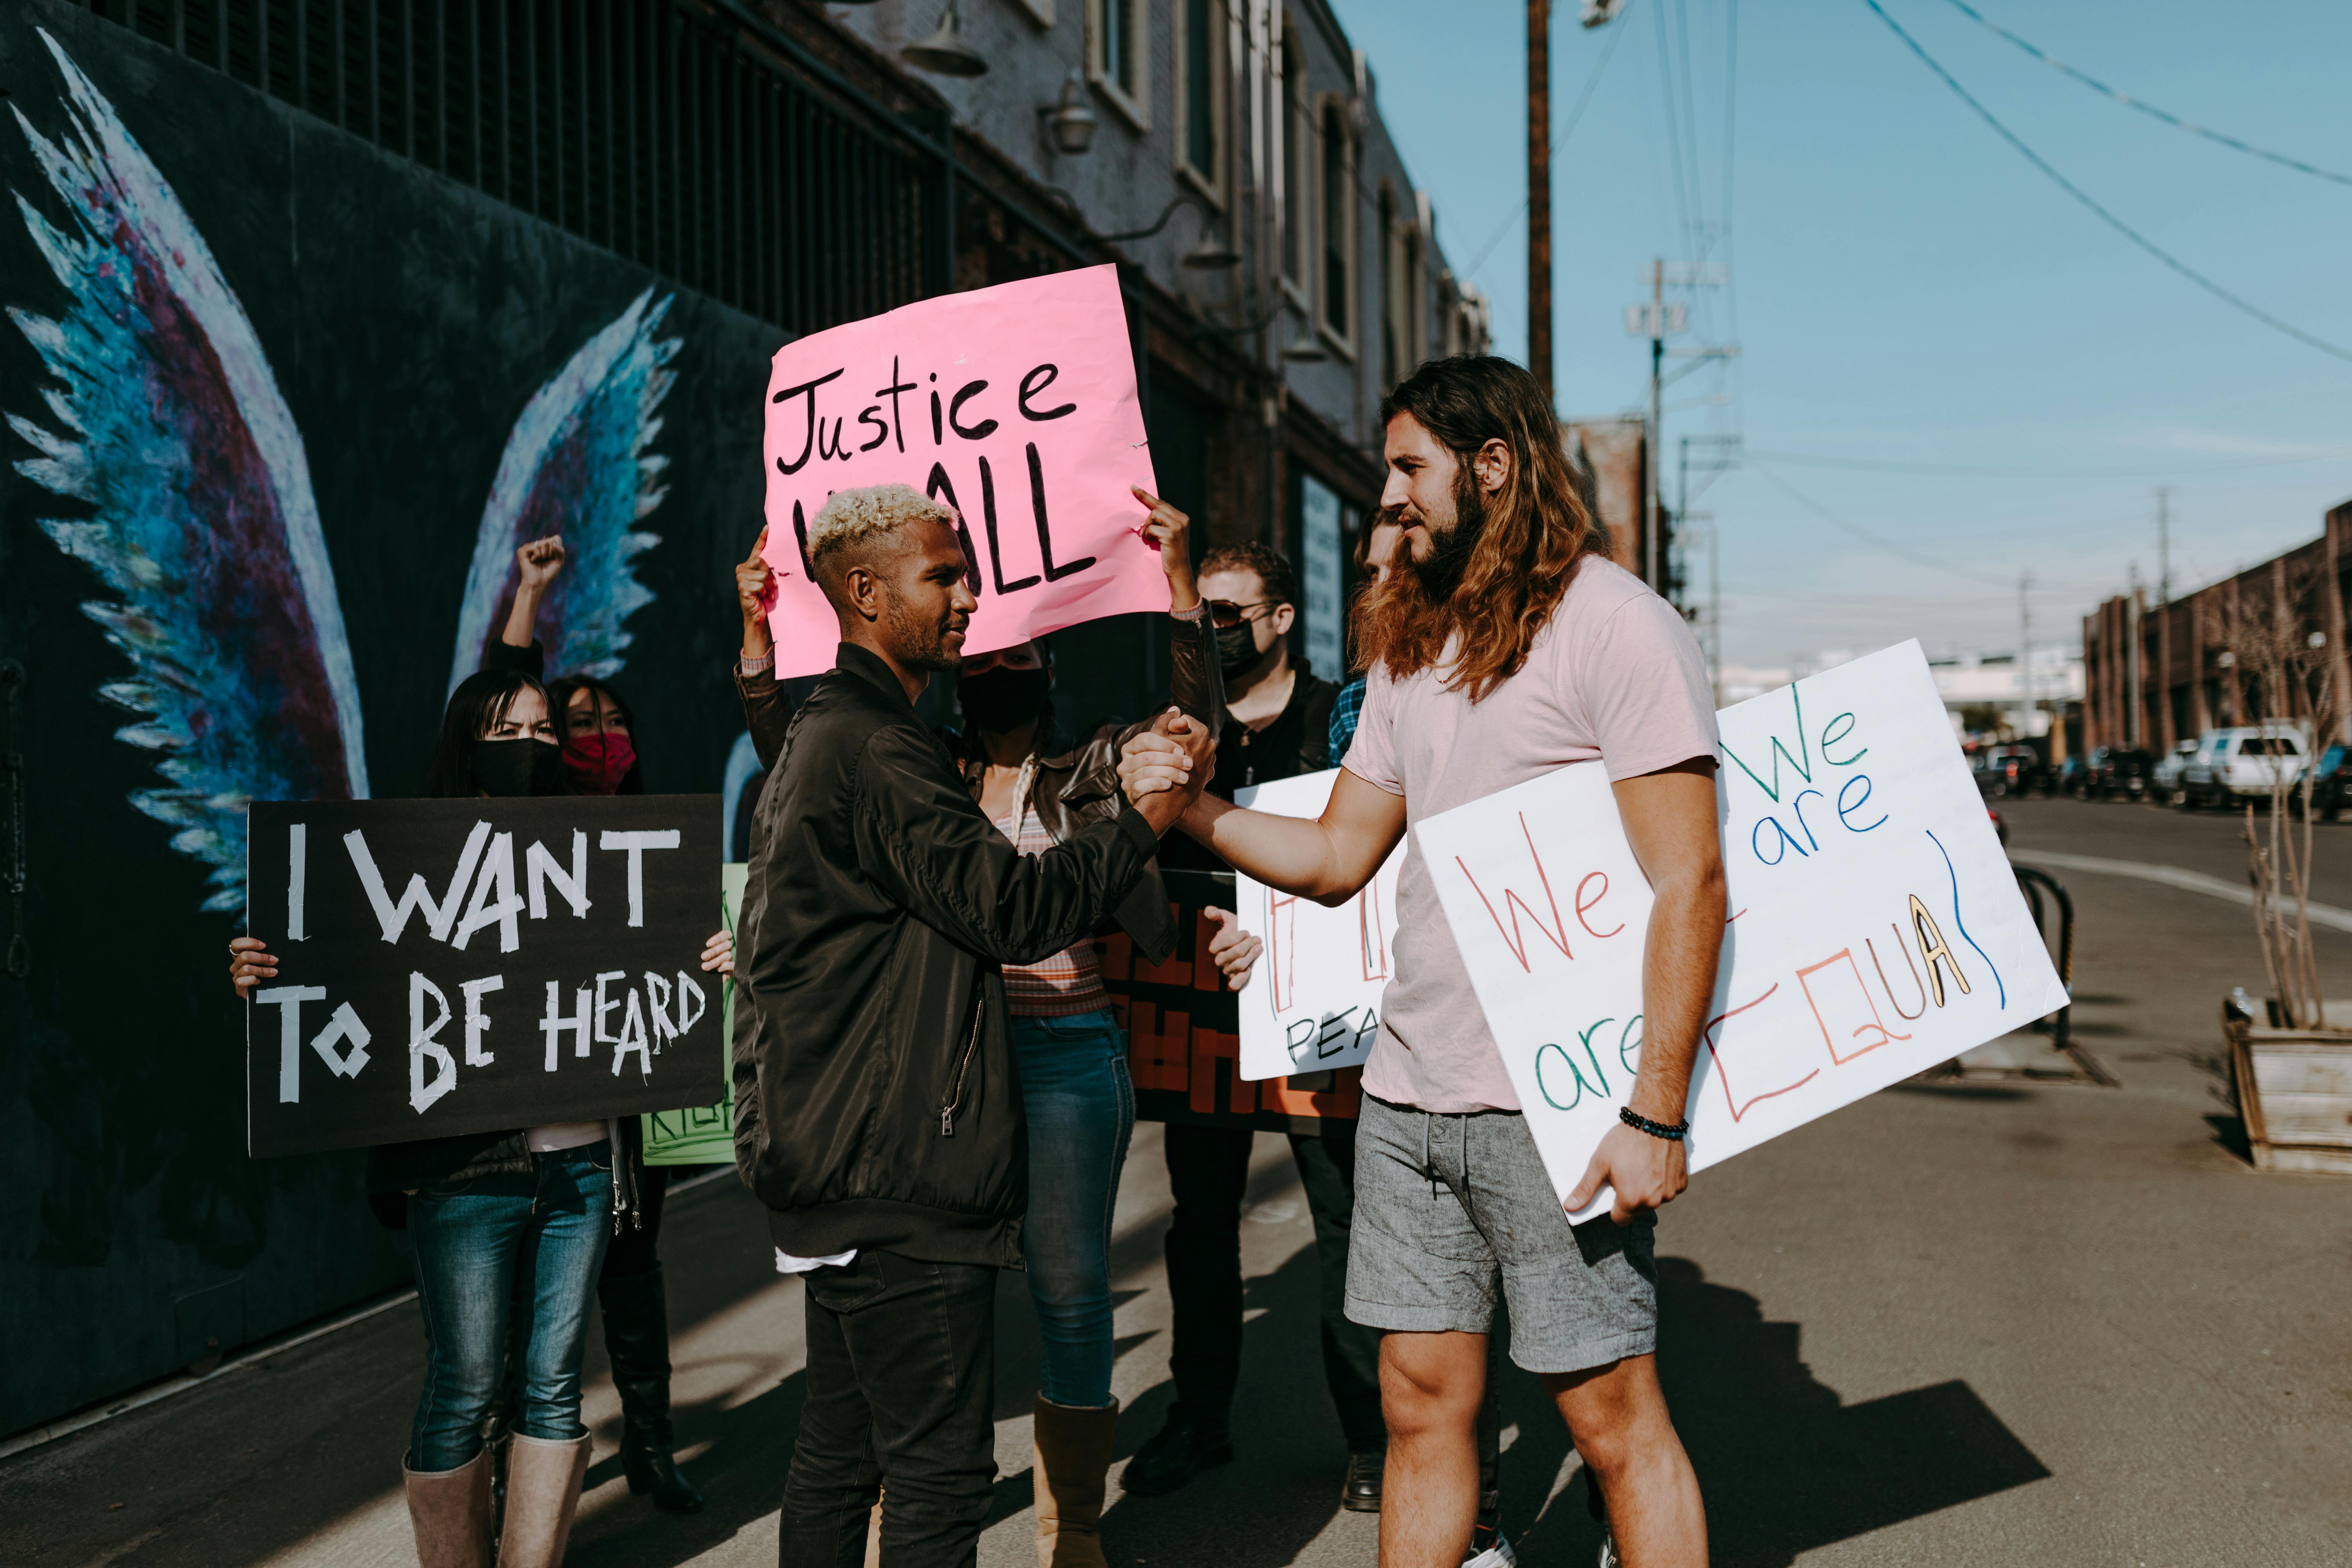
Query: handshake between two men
(1164,768)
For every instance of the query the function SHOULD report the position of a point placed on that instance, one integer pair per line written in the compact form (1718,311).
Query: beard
(920,641)
(1440,571)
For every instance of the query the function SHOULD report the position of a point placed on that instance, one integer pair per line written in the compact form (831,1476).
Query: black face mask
(517,767)
(1002,698)
(1238,648)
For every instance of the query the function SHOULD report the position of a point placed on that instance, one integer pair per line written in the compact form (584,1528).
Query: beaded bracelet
(1673,1133)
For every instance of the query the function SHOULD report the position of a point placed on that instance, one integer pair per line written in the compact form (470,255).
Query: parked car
(2242,762)
(2115,772)
(2164,779)
(2011,770)
(2331,784)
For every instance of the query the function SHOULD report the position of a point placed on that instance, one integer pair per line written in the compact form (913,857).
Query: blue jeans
(474,1240)
(1081,1112)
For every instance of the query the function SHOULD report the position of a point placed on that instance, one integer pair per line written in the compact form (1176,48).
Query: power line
(1974,470)
(1904,551)
(2128,102)
(2110,219)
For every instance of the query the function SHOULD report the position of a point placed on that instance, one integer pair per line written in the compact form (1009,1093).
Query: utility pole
(1714,607)
(1652,457)
(2164,617)
(1720,453)
(2025,655)
(1539,196)
(2135,700)
(1656,319)
(2164,544)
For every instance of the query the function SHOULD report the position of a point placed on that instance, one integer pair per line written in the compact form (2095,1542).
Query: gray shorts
(1446,1204)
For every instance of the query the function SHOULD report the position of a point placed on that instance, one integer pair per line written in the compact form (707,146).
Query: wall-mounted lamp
(1211,255)
(945,51)
(2227,660)
(1068,120)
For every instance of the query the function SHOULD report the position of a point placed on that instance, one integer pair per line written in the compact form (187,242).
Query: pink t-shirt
(1615,674)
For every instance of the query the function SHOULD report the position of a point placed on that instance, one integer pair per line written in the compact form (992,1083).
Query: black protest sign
(449,966)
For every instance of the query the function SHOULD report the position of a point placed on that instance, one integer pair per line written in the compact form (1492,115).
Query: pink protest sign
(1016,406)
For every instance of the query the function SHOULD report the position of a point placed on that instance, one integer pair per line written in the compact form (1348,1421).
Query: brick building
(2155,674)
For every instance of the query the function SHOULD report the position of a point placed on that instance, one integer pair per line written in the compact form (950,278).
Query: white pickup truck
(2244,762)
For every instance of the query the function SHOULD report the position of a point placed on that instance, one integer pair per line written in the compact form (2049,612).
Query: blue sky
(1909,292)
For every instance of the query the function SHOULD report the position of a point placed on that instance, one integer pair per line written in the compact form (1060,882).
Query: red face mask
(597,762)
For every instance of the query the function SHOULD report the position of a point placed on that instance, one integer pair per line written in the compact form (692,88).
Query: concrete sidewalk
(1982,1324)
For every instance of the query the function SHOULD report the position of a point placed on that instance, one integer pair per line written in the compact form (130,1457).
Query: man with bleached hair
(878,1115)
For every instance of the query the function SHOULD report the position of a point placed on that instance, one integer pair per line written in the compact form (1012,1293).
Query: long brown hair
(1536,528)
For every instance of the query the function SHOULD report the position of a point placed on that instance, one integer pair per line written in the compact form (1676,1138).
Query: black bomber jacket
(876,1104)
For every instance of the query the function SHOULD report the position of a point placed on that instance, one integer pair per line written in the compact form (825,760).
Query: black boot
(636,1337)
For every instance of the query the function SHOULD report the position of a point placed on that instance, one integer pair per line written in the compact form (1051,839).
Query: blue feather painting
(166,422)
(577,465)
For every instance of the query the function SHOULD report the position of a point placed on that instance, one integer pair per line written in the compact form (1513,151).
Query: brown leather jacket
(1080,786)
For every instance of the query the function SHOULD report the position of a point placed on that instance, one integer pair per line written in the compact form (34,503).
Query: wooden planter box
(2294,1095)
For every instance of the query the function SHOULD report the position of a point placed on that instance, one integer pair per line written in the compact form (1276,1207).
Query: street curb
(2327,915)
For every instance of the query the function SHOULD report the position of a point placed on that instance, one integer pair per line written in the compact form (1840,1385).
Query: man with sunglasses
(1277,725)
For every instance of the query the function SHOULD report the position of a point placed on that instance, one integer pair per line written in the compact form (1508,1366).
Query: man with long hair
(1505,647)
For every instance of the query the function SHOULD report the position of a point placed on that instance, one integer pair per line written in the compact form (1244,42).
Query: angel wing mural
(166,421)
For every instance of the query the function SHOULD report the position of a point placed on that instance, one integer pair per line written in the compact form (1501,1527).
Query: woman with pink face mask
(600,757)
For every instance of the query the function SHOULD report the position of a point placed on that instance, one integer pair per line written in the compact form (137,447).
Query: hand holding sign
(1232,949)
(1169,532)
(1016,406)
(755,594)
(1874,929)
(472,965)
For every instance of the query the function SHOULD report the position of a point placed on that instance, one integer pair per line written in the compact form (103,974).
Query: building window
(1338,159)
(1200,93)
(1416,282)
(1392,322)
(1298,170)
(1118,55)
(1320,566)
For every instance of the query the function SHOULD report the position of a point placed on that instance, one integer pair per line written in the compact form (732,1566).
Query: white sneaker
(1498,1555)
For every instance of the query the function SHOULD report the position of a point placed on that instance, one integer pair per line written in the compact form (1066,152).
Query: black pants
(901,1395)
(1208,1171)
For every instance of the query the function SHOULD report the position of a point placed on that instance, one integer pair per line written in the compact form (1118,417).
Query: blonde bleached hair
(853,518)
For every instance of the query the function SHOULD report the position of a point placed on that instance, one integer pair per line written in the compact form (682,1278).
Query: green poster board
(705,1134)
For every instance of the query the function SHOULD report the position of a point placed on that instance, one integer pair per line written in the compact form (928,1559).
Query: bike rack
(2043,895)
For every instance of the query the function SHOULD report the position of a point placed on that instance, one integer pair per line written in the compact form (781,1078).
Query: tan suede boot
(1073,1454)
(450,1511)
(542,1494)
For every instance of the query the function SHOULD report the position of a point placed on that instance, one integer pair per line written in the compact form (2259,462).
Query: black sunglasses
(1225,613)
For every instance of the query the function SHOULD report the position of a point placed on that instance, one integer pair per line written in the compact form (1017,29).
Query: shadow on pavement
(741,1474)
(1786,1465)
(1283,1486)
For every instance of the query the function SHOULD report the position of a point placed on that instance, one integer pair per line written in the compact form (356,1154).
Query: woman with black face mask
(597,734)
(485,1210)
(1079,1103)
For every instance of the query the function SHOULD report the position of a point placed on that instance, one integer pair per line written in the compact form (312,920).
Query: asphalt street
(1972,1324)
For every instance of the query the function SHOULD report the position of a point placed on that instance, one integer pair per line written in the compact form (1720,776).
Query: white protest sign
(1313,1002)
(1875,928)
